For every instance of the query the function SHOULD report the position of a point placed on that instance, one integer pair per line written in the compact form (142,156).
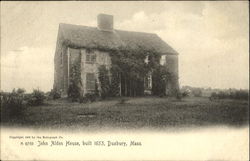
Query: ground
(136,113)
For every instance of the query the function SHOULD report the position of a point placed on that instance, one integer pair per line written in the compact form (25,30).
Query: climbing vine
(104,81)
(129,70)
(74,90)
(115,82)
(160,78)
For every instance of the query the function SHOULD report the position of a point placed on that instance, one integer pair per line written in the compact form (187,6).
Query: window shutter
(90,81)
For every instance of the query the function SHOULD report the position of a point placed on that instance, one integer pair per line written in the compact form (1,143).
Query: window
(163,60)
(90,81)
(90,57)
(146,59)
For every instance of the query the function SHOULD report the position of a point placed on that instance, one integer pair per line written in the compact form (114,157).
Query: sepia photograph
(124,80)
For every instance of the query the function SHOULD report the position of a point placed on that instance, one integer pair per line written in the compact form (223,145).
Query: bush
(160,77)
(90,97)
(82,100)
(20,91)
(228,94)
(213,96)
(222,95)
(185,94)
(123,100)
(197,92)
(75,84)
(74,92)
(178,95)
(36,98)
(241,94)
(54,94)
(12,104)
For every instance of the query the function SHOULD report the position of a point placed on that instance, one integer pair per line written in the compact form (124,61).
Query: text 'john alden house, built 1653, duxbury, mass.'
(135,56)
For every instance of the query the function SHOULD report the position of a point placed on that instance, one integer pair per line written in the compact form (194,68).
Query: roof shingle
(92,37)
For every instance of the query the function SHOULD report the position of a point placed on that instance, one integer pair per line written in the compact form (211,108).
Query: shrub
(160,77)
(12,104)
(162,94)
(36,98)
(237,94)
(222,95)
(123,100)
(197,92)
(178,95)
(213,96)
(241,94)
(54,94)
(20,91)
(185,94)
(74,90)
(82,100)
(90,97)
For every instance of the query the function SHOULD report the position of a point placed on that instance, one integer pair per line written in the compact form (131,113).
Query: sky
(212,38)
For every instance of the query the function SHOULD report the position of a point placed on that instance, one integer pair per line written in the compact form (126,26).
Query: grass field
(136,113)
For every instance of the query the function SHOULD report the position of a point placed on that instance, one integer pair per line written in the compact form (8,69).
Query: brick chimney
(105,22)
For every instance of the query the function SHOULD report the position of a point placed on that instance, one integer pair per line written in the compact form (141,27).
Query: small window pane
(93,58)
(90,57)
(87,57)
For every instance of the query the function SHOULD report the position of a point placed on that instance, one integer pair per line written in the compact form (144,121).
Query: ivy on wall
(126,75)
(75,83)
(160,78)
(129,70)
(104,81)
(115,82)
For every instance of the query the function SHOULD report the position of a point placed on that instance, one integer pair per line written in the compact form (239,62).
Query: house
(91,47)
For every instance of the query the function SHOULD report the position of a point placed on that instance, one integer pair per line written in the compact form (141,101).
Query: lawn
(135,113)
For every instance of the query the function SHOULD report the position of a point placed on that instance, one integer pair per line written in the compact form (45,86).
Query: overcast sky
(211,38)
